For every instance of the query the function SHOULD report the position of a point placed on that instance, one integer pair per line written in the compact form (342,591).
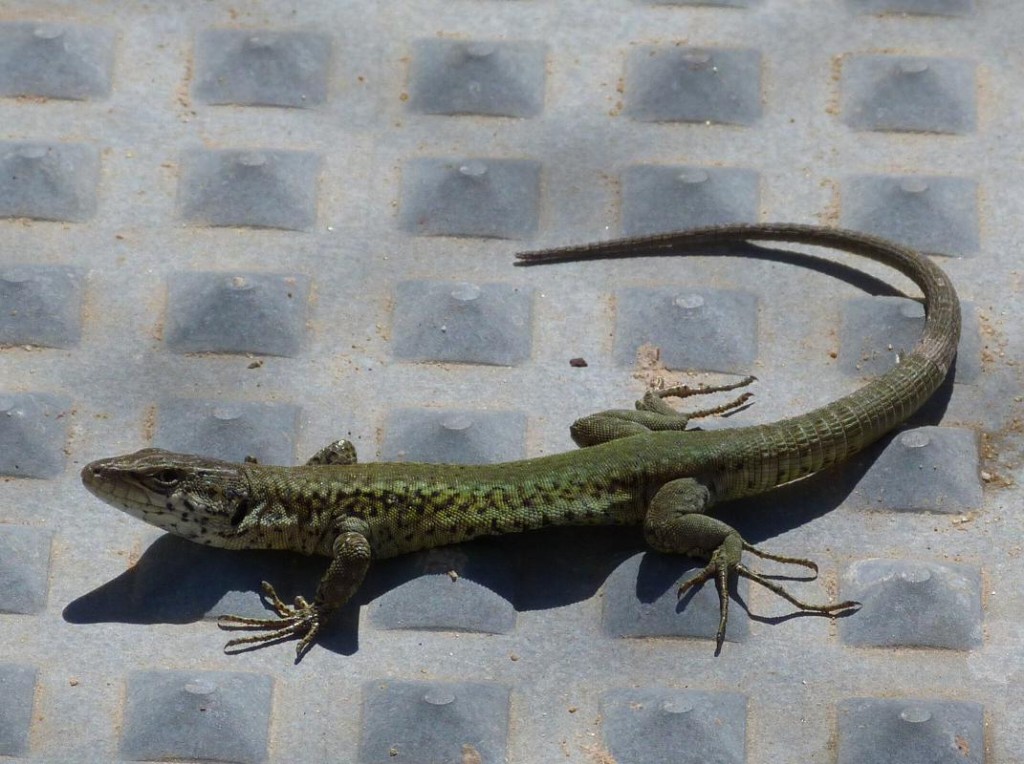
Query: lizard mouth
(123,494)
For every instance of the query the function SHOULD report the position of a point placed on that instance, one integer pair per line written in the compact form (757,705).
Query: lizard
(634,466)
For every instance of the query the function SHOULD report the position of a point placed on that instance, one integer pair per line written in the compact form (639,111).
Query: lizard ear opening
(240,512)
(241,505)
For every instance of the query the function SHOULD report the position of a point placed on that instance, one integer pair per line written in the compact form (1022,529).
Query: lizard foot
(302,619)
(685,391)
(720,567)
(654,400)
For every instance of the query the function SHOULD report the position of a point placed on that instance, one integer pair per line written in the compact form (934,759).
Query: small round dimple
(915,439)
(226,413)
(201,687)
(690,304)
(915,715)
(252,159)
(239,284)
(439,696)
(465,292)
(697,58)
(913,67)
(913,185)
(692,176)
(916,575)
(473,169)
(677,706)
(47,32)
(262,41)
(31,152)
(480,49)
(457,422)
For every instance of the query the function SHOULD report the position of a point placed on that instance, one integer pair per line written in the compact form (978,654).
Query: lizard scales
(635,467)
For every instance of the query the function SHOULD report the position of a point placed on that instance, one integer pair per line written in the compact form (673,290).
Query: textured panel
(724,3)
(675,84)
(24,569)
(260,188)
(683,727)
(913,604)
(48,181)
(55,61)
(910,731)
(33,432)
(17,687)
(922,7)
(877,331)
(466,588)
(461,322)
(210,715)
(901,94)
(262,67)
(492,198)
(236,313)
(937,215)
(504,79)
(433,721)
(229,430)
(706,329)
(927,469)
(42,305)
(454,436)
(657,199)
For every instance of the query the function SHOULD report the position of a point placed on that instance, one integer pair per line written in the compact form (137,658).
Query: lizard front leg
(676,523)
(349,563)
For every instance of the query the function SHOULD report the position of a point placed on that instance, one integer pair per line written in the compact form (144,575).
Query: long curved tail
(776,453)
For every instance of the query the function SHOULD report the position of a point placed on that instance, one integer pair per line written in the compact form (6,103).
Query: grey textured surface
(209,716)
(255,229)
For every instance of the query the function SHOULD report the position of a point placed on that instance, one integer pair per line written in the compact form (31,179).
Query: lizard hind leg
(676,523)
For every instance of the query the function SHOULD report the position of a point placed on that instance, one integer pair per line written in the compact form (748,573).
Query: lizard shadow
(834,269)
(177,581)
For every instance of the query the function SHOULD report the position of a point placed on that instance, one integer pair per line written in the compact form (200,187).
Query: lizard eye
(165,477)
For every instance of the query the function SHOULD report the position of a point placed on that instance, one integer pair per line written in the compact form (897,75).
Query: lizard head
(200,499)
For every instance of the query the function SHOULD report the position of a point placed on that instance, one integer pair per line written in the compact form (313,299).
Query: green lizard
(636,467)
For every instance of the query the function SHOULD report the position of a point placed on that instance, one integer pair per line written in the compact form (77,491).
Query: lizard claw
(720,568)
(301,620)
